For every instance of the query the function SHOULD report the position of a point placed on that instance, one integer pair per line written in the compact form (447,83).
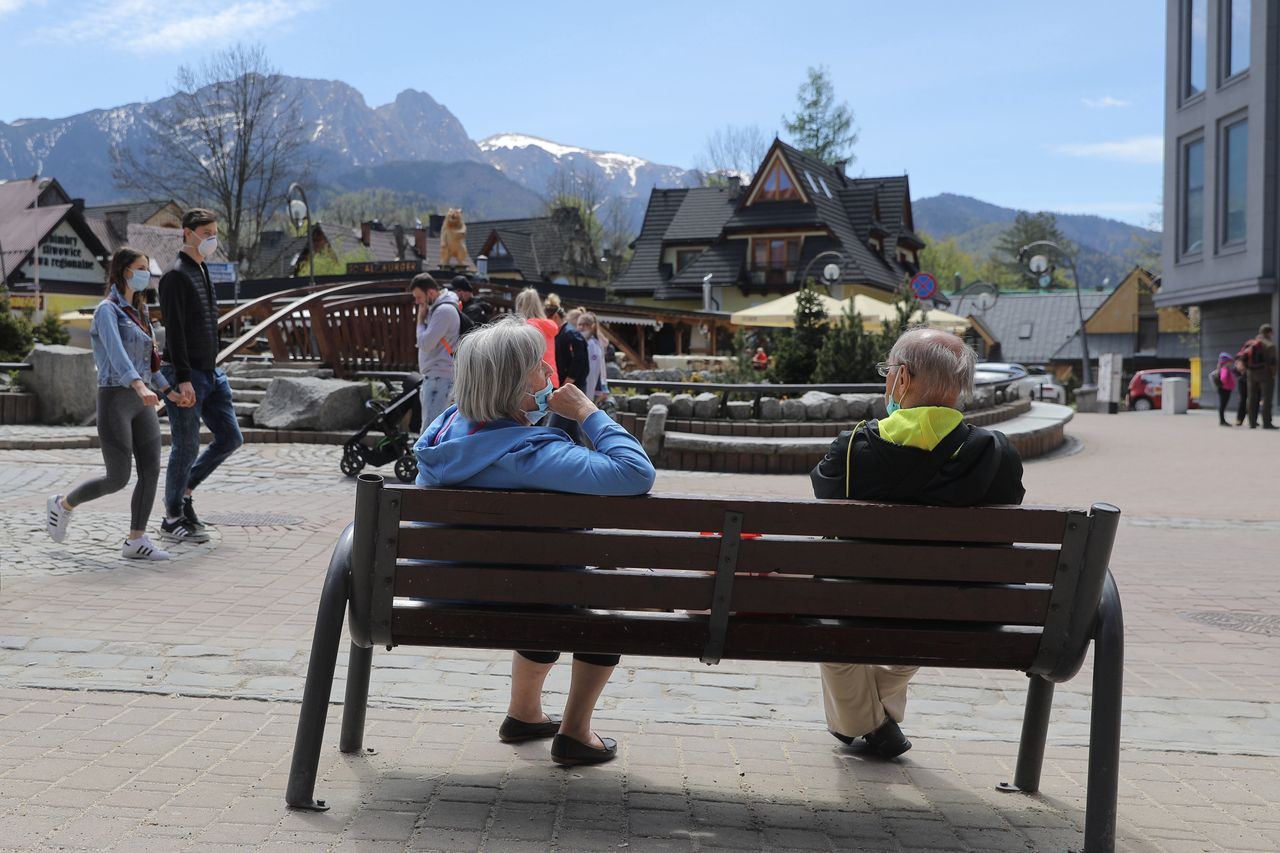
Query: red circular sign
(924,285)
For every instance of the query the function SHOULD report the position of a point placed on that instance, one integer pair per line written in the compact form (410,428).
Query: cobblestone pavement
(122,687)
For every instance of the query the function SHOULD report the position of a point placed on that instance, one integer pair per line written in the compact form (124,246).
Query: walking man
(437,335)
(189,308)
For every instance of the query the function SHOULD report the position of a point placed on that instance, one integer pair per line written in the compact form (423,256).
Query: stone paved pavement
(123,688)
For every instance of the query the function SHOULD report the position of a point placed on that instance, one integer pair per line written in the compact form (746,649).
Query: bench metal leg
(315,695)
(1035,728)
(1104,723)
(356,701)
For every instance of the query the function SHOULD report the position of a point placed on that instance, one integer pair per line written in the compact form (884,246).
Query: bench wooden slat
(787,517)
(635,590)
(673,635)
(790,555)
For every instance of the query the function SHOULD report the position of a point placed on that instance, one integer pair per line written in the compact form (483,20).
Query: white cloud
(1104,102)
(1139,149)
(160,26)
(7,6)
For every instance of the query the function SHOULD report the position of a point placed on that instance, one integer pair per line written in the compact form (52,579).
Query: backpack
(1252,353)
(465,323)
(1215,376)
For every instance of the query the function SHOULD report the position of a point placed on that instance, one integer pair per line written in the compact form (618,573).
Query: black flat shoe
(569,752)
(888,741)
(844,739)
(517,731)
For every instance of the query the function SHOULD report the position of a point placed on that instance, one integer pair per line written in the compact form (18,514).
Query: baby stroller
(368,447)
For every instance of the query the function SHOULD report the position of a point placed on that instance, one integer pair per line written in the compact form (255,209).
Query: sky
(1033,104)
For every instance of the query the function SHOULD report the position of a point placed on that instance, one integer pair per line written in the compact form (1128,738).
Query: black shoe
(179,531)
(844,739)
(517,731)
(189,515)
(888,741)
(1270,426)
(569,752)
(1223,423)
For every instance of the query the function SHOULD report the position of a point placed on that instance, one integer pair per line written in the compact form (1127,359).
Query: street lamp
(300,213)
(830,272)
(1042,268)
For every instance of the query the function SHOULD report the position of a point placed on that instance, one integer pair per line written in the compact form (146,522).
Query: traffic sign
(924,285)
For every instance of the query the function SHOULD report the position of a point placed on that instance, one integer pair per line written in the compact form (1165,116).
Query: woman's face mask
(541,399)
(139,280)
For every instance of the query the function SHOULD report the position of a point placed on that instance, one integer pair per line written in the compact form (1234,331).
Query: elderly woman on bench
(490,440)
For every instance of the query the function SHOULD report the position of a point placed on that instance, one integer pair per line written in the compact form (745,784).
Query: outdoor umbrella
(781,313)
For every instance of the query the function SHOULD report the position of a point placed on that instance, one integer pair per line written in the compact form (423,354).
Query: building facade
(1221,247)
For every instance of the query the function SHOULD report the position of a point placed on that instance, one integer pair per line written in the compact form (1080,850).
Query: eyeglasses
(883,367)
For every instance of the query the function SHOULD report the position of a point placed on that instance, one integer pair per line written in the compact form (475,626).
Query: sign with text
(223,273)
(369,267)
(63,256)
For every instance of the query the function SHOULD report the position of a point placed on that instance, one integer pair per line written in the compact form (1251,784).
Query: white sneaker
(142,548)
(56,519)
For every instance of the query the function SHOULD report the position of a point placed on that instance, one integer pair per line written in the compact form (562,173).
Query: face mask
(140,280)
(208,246)
(891,405)
(541,399)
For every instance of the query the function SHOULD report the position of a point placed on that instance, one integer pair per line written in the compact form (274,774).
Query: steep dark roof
(645,273)
(277,254)
(844,208)
(1032,327)
(137,211)
(540,247)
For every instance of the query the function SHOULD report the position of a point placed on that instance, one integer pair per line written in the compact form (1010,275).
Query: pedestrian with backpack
(436,332)
(1259,357)
(1224,379)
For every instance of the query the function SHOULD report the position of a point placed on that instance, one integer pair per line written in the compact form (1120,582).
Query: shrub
(16,337)
(51,331)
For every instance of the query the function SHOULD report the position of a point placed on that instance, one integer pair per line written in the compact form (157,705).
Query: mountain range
(416,146)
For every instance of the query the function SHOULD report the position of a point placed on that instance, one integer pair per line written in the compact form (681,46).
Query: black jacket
(986,470)
(480,311)
(189,310)
(572,360)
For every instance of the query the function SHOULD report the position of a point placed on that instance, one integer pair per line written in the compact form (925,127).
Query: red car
(1144,388)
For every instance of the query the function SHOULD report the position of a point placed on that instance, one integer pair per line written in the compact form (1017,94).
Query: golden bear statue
(453,240)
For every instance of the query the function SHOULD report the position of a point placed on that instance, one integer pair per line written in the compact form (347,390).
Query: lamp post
(1042,268)
(830,272)
(300,213)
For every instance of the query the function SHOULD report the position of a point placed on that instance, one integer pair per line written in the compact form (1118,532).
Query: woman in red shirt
(529,306)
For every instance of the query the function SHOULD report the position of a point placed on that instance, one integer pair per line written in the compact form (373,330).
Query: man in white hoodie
(437,337)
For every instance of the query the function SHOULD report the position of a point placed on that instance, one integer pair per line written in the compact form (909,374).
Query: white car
(1034,383)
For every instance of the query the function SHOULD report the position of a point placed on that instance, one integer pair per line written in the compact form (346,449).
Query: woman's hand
(148,396)
(568,401)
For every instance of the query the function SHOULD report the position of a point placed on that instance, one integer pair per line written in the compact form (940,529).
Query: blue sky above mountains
(1039,105)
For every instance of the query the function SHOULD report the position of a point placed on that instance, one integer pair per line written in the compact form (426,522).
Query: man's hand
(148,396)
(568,401)
(423,308)
(188,395)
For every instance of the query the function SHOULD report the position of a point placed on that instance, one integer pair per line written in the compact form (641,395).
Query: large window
(1192,236)
(1235,181)
(684,257)
(777,185)
(1195,34)
(1236,14)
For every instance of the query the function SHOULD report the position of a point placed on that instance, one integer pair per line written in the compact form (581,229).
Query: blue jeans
(434,393)
(214,407)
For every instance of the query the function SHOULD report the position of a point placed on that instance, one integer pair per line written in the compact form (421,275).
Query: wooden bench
(898,585)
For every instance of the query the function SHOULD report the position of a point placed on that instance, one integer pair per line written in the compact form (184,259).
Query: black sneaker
(189,515)
(179,530)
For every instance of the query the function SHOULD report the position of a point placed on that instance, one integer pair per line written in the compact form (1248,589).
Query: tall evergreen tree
(796,351)
(820,127)
(848,352)
(1027,228)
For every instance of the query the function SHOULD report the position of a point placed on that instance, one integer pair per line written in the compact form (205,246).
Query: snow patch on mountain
(612,163)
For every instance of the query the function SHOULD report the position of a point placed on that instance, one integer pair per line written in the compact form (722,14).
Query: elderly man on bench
(923,453)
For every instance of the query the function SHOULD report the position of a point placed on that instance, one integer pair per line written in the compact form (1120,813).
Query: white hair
(492,366)
(940,365)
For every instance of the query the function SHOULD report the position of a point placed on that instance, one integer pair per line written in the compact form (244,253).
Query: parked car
(1033,383)
(1144,388)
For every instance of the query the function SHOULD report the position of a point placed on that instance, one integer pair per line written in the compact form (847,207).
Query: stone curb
(252,435)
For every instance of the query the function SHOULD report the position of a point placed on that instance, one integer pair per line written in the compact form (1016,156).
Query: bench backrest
(990,587)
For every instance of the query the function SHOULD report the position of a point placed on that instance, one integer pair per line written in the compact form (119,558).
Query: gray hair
(529,305)
(940,365)
(492,366)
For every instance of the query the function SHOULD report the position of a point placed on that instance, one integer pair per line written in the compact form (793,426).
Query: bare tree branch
(230,138)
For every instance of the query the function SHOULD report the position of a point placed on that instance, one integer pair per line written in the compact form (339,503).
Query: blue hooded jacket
(506,455)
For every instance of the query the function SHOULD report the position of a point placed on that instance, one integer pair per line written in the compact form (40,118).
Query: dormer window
(497,250)
(777,185)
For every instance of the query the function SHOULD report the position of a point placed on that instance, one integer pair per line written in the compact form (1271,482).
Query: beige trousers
(858,696)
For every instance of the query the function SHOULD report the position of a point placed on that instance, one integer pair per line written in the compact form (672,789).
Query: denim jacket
(121,348)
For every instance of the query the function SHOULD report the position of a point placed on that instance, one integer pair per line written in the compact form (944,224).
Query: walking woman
(128,363)
(1224,379)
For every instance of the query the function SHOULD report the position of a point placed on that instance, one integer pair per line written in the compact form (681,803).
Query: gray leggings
(130,432)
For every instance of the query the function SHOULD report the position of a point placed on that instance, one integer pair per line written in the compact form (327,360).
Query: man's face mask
(891,405)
